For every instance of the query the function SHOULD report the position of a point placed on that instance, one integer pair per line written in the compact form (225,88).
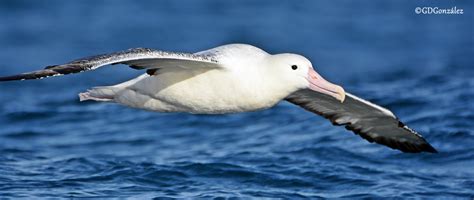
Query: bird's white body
(242,83)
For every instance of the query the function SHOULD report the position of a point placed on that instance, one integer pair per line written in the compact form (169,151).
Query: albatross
(236,78)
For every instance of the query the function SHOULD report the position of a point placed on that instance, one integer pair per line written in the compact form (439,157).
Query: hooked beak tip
(342,94)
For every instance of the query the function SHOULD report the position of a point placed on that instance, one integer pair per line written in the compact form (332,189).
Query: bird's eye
(294,67)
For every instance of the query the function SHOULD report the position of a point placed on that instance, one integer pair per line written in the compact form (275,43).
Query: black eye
(294,67)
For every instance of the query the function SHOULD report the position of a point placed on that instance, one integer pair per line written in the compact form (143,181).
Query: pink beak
(318,84)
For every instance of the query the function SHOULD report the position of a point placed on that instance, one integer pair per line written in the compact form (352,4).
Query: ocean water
(419,66)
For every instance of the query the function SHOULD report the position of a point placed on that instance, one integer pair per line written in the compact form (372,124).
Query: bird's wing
(137,58)
(370,121)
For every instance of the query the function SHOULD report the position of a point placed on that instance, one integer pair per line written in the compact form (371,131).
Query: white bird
(237,78)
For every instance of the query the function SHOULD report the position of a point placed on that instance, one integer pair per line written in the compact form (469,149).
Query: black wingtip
(30,75)
(10,78)
(429,148)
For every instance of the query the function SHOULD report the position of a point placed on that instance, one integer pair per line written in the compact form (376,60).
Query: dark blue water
(420,66)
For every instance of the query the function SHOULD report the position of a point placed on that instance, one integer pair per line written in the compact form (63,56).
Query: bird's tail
(105,93)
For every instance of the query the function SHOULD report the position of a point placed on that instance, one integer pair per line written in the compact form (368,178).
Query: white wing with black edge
(371,122)
(137,58)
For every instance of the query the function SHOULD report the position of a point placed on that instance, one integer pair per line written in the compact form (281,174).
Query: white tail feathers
(98,94)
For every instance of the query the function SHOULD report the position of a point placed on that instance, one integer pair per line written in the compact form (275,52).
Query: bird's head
(297,72)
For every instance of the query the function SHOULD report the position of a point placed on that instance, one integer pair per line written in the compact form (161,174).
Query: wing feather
(137,58)
(370,121)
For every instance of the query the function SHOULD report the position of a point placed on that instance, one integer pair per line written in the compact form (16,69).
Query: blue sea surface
(419,66)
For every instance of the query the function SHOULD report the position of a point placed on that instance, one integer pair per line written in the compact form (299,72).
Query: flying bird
(236,78)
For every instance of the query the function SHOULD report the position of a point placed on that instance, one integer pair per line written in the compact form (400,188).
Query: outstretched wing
(371,122)
(137,58)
